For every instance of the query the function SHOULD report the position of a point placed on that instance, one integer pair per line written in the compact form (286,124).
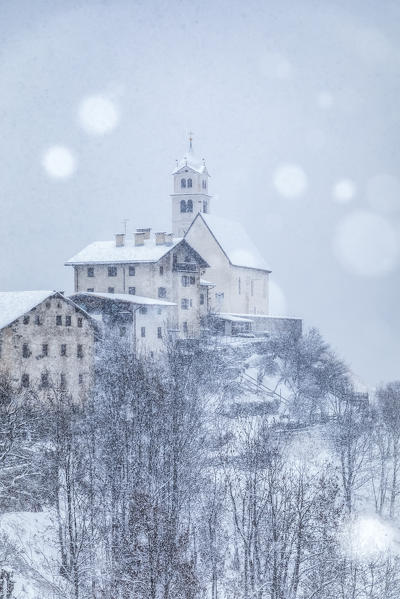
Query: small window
(90,271)
(192,280)
(122,331)
(183,206)
(59,305)
(185,281)
(90,289)
(58,320)
(25,380)
(189,183)
(132,271)
(191,302)
(159,311)
(68,321)
(132,290)
(48,304)
(111,289)
(80,379)
(161,270)
(63,381)
(26,320)
(80,322)
(25,351)
(189,207)
(143,332)
(45,349)
(184,303)
(112,271)
(204,184)
(183,182)
(79,351)
(159,332)
(162,292)
(37,320)
(44,380)
(201,299)
(143,310)
(63,349)
(205,207)
(185,327)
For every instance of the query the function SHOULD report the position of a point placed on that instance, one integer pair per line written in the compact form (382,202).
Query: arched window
(183,182)
(205,207)
(189,183)
(183,206)
(189,207)
(204,184)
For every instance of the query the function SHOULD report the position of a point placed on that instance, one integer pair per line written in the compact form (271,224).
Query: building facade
(47,343)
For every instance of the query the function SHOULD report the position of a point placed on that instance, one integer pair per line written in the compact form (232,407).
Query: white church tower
(190,191)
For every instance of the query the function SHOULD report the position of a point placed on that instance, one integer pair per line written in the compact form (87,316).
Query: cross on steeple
(190,141)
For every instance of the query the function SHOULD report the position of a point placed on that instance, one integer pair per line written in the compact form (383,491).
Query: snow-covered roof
(232,317)
(206,283)
(124,297)
(234,241)
(104,252)
(192,162)
(14,304)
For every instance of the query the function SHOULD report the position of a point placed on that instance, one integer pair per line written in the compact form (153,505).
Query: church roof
(105,252)
(191,161)
(234,242)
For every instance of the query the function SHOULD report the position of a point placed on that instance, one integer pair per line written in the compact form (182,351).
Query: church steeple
(190,190)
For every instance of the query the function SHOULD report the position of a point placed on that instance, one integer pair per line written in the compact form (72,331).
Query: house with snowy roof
(47,343)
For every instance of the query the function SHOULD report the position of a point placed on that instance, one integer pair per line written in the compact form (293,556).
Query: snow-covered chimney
(169,238)
(119,240)
(160,237)
(146,232)
(139,238)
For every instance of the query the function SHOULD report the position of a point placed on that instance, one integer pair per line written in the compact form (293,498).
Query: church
(202,269)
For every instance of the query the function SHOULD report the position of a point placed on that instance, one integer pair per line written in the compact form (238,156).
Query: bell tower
(191,179)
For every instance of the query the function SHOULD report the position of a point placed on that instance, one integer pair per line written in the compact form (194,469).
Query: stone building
(47,343)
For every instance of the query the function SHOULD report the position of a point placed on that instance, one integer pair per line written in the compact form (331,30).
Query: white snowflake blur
(290,180)
(344,191)
(59,162)
(98,115)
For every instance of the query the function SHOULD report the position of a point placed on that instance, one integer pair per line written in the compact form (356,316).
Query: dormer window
(189,183)
(183,182)
(189,206)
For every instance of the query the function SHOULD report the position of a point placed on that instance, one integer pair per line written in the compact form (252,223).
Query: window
(192,280)
(159,332)
(80,379)
(112,271)
(189,183)
(184,303)
(80,320)
(26,320)
(63,349)
(25,351)
(204,184)
(63,381)
(185,327)
(185,281)
(183,182)
(25,380)
(132,290)
(90,271)
(58,320)
(183,206)
(48,304)
(79,351)
(161,270)
(59,305)
(67,321)
(191,302)
(45,349)
(162,292)
(37,319)
(122,331)
(189,207)
(205,207)
(143,332)
(132,271)
(201,299)
(159,311)
(90,289)
(111,289)
(44,380)
(143,310)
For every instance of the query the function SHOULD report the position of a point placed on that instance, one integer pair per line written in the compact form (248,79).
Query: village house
(47,343)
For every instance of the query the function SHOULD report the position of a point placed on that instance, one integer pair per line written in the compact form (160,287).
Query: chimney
(146,232)
(169,238)
(160,238)
(139,238)
(119,240)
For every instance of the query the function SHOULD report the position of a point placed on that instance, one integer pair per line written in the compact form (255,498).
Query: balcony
(185,267)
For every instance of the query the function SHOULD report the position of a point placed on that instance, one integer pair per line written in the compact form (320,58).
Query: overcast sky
(294,106)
